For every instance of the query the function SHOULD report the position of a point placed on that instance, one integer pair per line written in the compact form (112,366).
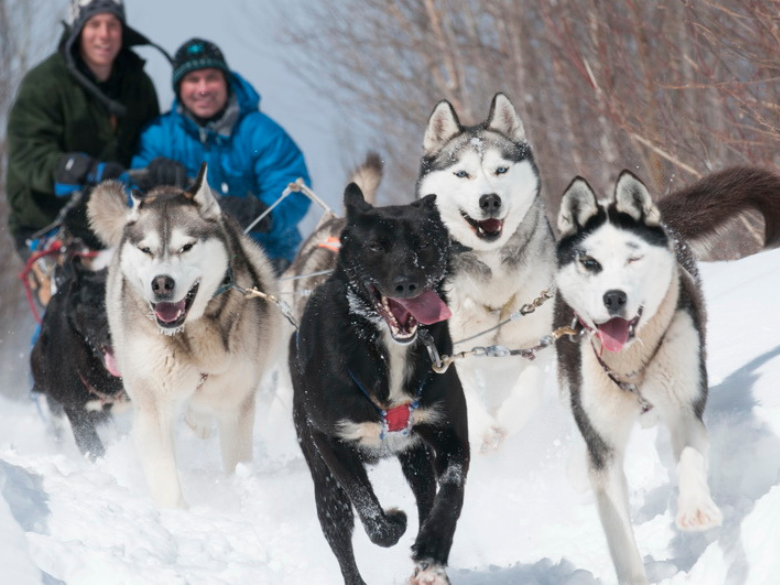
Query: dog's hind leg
(235,433)
(417,466)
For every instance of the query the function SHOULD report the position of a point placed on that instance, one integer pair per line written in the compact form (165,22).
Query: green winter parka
(53,115)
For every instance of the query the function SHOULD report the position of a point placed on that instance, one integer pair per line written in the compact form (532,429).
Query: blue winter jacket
(248,154)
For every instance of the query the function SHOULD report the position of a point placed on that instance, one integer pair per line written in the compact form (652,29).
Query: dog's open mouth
(404,315)
(486,229)
(616,332)
(172,315)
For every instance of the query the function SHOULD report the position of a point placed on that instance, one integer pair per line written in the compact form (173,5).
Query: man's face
(204,91)
(101,40)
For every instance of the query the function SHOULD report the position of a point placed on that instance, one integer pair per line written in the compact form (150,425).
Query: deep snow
(64,518)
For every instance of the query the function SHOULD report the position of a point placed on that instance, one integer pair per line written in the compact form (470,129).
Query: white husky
(184,334)
(488,193)
(629,282)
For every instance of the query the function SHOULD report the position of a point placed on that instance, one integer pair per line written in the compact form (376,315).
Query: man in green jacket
(76,119)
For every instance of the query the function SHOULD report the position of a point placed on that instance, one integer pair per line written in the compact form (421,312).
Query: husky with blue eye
(503,256)
(627,280)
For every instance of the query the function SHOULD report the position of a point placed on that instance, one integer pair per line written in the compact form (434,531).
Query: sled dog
(72,361)
(184,334)
(488,194)
(628,281)
(364,387)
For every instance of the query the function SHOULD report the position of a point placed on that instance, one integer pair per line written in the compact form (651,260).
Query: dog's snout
(405,287)
(490,203)
(614,301)
(162,286)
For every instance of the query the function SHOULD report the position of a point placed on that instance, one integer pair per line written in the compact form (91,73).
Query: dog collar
(396,420)
(227,283)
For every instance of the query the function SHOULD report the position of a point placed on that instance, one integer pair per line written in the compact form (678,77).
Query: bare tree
(669,89)
(27,28)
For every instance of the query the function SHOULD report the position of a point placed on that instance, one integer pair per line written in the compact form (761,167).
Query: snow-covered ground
(525,521)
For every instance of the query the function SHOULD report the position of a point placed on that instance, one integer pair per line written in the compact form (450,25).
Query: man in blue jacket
(215,118)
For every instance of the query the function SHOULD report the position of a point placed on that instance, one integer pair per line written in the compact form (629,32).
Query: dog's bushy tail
(107,211)
(368,175)
(698,211)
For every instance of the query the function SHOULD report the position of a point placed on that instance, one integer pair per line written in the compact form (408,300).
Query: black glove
(245,210)
(164,172)
(75,170)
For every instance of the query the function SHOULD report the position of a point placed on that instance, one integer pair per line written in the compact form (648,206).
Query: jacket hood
(130,38)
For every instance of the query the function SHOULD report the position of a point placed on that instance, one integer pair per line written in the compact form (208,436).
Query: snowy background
(526,519)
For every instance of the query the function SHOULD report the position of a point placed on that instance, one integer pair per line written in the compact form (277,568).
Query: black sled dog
(72,362)
(627,276)
(364,387)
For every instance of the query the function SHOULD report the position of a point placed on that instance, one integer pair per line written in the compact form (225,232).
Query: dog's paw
(696,513)
(388,530)
(428,572)
(200,425)
(492,439)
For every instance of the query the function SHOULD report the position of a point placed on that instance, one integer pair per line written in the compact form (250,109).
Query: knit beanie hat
(197,54)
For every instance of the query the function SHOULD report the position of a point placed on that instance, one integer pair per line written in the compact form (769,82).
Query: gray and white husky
(629,282)
(488,193)
(184,334)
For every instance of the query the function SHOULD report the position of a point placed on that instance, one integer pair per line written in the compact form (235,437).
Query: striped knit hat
(197,54)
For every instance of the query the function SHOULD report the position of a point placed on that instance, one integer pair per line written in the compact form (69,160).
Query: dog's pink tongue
(427,308)
(169,312)
(109,361)
(614,333)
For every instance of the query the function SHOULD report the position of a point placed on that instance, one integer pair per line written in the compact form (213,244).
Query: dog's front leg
(153,433)
(384,527)
(695,508)
(431,549)
(609,485)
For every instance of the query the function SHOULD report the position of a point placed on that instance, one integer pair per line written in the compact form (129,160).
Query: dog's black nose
(162,286)
(614,300)
(405,287)
(490,203)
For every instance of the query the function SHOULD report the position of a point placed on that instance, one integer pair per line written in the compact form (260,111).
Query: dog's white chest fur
(372,435)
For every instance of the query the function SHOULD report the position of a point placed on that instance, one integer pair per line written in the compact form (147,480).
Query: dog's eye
(462,174)
(186,248)
(145,250)
(501,170)
(589,264)
(375,247)
(634,259)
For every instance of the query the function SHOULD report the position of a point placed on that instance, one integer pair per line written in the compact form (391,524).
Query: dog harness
(397,419)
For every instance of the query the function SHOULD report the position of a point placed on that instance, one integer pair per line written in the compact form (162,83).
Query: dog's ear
(504,119)
(354,202)
(578,205)
(443,124)
(201,193)
(428,203)
(633,198)
(108,212)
